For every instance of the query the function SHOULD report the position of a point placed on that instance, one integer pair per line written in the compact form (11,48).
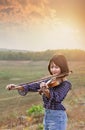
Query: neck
(64,79)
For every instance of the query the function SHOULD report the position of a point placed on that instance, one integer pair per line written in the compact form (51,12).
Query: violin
(54,81)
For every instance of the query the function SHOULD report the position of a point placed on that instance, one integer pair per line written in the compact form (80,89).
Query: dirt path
(8,98)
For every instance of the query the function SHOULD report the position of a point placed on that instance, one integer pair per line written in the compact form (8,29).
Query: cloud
(7,10)
(33,12)
(3,2)
(6,2)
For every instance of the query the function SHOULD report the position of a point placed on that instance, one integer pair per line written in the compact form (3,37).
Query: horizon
(7,49)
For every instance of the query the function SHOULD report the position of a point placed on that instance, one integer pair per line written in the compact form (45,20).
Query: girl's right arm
(23,89)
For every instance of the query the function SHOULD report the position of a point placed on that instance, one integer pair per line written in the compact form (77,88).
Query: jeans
(55,120)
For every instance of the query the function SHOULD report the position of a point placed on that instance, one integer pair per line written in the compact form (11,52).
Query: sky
(38,25)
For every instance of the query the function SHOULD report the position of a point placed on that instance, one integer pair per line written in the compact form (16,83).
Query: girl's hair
(60,61)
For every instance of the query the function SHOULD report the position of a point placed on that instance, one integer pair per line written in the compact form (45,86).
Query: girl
(55,113)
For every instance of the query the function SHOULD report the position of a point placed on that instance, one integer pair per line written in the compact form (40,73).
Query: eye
(51,67)
(56,67)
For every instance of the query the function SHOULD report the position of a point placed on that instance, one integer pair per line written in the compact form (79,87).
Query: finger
(10,86)
(42,84)
(7,87)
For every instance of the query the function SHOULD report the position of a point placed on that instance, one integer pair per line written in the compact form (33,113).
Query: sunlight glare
(65,36)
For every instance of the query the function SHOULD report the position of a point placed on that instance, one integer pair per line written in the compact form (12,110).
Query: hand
(44,89)
(43,86)
(11,86)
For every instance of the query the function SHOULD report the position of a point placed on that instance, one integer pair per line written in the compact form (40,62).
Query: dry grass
(12,106)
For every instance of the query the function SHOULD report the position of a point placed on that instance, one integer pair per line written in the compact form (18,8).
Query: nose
(53,70)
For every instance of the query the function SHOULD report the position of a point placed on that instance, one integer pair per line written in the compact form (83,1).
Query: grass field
(12,105)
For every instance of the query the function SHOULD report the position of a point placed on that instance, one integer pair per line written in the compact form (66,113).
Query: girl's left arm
(59,94)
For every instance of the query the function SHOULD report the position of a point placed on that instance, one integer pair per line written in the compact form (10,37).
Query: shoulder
(67,83)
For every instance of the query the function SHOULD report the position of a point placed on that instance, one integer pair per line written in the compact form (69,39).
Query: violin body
(50,84)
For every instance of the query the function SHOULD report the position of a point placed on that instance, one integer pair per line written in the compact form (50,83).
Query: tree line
(74,54)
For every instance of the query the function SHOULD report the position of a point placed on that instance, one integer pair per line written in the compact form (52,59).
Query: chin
(55,74)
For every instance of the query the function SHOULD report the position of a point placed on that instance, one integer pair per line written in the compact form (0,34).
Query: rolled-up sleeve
(33,87)
(60,93)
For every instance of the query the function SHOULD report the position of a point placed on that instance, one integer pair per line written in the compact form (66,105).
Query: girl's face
(55,69)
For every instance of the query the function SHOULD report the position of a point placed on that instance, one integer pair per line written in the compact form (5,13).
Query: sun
(64,36)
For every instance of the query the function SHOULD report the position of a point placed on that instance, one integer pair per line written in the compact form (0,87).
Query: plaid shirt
(57,94)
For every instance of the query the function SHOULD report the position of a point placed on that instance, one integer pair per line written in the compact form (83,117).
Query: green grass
(18,72)
(35,110)
(11,103)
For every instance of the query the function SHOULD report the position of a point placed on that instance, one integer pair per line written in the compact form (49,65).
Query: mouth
(55,73)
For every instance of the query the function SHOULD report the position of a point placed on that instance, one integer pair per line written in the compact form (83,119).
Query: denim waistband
(50,110)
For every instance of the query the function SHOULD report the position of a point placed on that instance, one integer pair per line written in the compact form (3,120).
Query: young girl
(55,113)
